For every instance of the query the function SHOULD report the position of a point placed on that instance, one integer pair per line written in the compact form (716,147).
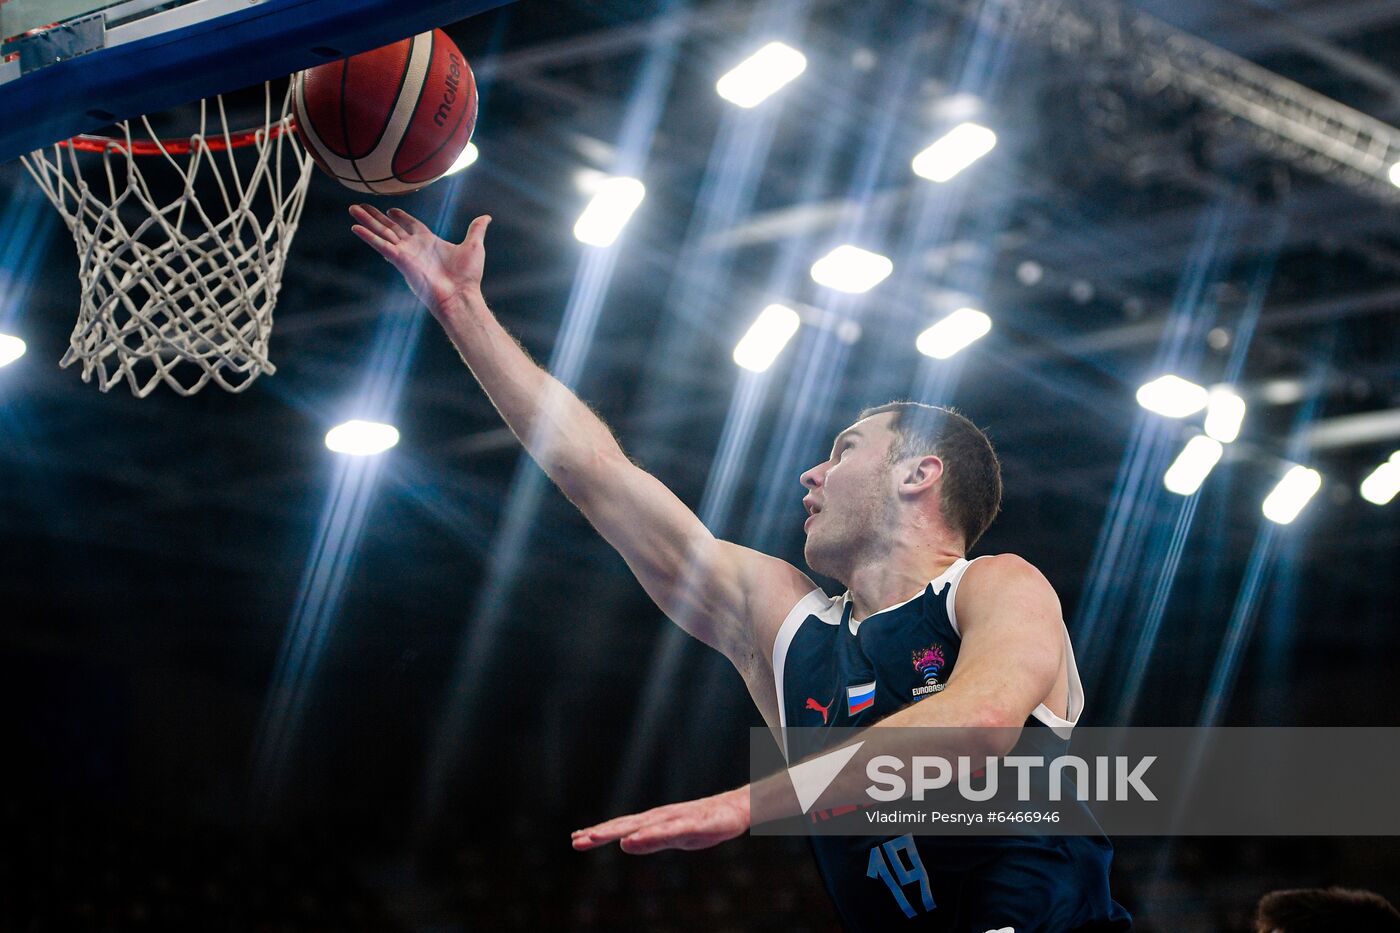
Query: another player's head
(903,472)
(1323,910)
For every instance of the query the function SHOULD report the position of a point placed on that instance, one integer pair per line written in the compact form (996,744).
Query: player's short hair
(1320,910)
(971,490)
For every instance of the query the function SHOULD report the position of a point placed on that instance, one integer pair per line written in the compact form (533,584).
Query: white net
(181,247)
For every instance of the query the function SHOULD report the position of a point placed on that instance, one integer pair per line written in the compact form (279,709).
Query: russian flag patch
(859,697)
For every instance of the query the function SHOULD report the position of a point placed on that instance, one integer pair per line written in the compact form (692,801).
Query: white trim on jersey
(961,568)
(816,603)
(1074,706)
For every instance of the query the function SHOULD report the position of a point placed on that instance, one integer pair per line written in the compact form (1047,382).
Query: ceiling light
(761,75)
(608,211)
(1292,493)
(362,438)
(953,333)
(1383,483)
(1224,414)
(1172,396)
(1191,467)
(954,151)
(11,349)
(469,156)
(766,337)
(851,269)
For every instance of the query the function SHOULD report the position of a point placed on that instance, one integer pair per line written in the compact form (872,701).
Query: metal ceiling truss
(1281,117)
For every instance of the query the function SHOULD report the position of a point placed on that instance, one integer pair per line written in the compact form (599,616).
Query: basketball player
(906,491)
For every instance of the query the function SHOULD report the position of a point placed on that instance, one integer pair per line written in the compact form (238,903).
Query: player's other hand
(695,824)
(439,272)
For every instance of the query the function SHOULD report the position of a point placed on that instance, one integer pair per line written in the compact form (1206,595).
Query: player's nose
(812,478)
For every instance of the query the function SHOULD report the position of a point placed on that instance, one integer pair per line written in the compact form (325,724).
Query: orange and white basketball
(390,120)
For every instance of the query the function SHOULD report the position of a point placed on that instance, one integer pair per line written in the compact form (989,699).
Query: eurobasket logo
(929,662)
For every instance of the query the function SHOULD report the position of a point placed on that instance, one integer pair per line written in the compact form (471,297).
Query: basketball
(391,120)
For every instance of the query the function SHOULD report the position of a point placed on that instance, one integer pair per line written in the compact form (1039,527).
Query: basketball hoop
(173,292)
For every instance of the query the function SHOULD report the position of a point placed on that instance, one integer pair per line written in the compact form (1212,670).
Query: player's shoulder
(1003,575)
(1006,566)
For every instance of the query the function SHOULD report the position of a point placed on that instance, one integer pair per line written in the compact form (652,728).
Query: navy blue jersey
(834,671)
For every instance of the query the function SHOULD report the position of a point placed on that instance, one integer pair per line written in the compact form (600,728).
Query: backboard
(75,66)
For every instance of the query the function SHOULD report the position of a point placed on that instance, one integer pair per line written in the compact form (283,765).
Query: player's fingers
(586,842)
(367,217)
(613,829)
(406,220)
(383,247)
(476,233)
(383,220)
(618,824)
(656,838)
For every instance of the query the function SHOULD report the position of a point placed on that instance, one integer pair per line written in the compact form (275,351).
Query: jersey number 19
(885,863)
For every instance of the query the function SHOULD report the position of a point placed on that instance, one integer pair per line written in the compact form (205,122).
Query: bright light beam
(1172,396)
(953,333)
(1191,467)
(607,213)
(1298,486)
(738,154)
(465,160)
(362,438)
(11,349)
(954,151)
(489,614)
(1395,174)
(766,337)
(1224,414)
(851,269)
(761,75)
(1384,482)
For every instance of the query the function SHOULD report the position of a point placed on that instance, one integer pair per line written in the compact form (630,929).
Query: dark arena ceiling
(209,614)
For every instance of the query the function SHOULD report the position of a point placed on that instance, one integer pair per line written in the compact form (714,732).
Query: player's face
(851,497)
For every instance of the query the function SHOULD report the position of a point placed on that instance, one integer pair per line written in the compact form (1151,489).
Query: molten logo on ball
(449,94)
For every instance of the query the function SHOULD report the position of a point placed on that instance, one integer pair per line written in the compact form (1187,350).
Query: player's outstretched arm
(730,597)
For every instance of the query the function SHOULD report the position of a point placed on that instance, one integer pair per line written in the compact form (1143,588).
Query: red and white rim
(149,147)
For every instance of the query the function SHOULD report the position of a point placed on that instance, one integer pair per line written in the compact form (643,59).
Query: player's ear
(921,474)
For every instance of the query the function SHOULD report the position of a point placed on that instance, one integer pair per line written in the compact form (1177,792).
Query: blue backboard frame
(265,40)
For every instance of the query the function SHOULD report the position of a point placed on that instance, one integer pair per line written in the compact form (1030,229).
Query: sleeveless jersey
(834,671)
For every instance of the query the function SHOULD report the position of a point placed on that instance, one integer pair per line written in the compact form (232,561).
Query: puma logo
(813,704)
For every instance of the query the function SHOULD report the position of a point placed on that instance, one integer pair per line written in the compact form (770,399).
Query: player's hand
(695,824)
(438,271)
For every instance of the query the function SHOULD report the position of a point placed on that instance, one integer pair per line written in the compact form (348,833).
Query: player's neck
(899,574)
